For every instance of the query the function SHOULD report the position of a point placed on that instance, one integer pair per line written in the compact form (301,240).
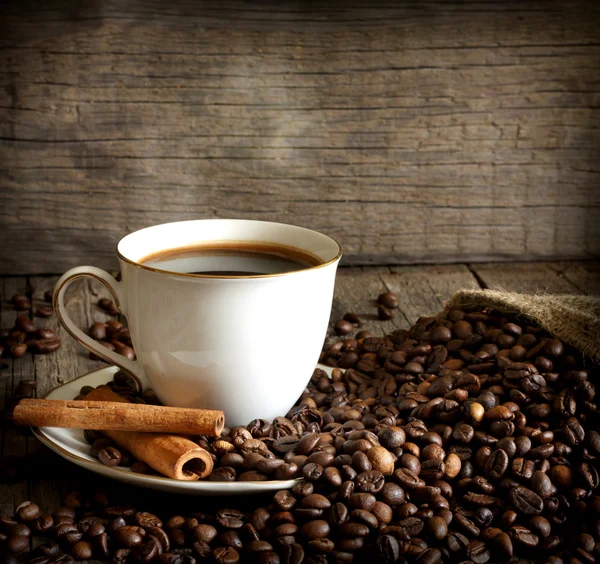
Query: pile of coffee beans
(470,437)
(25,335)
(113,334)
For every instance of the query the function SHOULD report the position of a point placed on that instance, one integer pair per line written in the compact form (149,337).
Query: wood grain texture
(421,291)
(554,278)
(13,442)
(432,132)
(72,359)
(69,362)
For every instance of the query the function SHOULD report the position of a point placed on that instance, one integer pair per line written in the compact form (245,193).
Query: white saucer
(70,444)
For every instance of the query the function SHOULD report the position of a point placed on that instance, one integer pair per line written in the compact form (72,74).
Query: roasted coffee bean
(523,468)
(478,552)
(541,484)
(588,475)
(45,346)
(525,500)
(479,499)
(18,350)
(496,465)
(437,528)
(411,526)
(20,302)
(523,536)
(44,311)
(337,514)
(541,526)
(129,536)
(406,478)
(392,494)
(97,331)
(370,482)
(27,511)
(562,476)
(225,555)
(387,549)
(315,529)
(203,533)
(343,327)
(230,518)
(24,324)
(124,350)
(149,550)
(457,542)
(121,556)
(110,456)
(388,300)
(17,543)
(82,550)
(353,529)
(108,306)
(145,519)
(42,524)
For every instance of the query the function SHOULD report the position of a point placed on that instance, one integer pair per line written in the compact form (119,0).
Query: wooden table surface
(434,131)
(421,290)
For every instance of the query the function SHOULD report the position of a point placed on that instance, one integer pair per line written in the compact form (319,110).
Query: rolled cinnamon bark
(118,416)
(173,456)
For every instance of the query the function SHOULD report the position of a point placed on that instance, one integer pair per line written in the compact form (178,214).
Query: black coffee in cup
(233,259)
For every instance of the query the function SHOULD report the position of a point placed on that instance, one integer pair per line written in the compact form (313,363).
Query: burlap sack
(573,319)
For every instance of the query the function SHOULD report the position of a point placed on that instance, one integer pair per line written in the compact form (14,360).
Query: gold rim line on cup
(231,277)
(98,353)
(44,439)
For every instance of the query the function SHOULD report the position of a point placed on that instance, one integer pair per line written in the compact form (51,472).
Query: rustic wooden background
(410,131)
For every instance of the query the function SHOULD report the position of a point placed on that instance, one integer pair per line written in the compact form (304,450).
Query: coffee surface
(232,259)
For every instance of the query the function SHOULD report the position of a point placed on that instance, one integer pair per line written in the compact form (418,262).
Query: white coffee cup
(246,345)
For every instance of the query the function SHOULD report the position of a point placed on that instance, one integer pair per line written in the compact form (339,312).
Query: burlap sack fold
(573,319)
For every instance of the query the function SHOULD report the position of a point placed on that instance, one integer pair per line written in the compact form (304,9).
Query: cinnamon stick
(173,456)
(118,416)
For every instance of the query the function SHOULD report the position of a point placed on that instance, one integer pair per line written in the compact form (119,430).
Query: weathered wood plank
(421,291)
(356,290)
(378,124)
(585,276)
(13,441)
(555,278)
(69,362)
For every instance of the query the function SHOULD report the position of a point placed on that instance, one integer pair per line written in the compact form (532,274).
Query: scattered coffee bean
(44,311)
(108,306)
(97,331)
(110,456)
(343,327)
(388,300)
(21,302)
(27,511)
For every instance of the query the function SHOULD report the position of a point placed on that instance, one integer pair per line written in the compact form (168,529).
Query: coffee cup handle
(132,367)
